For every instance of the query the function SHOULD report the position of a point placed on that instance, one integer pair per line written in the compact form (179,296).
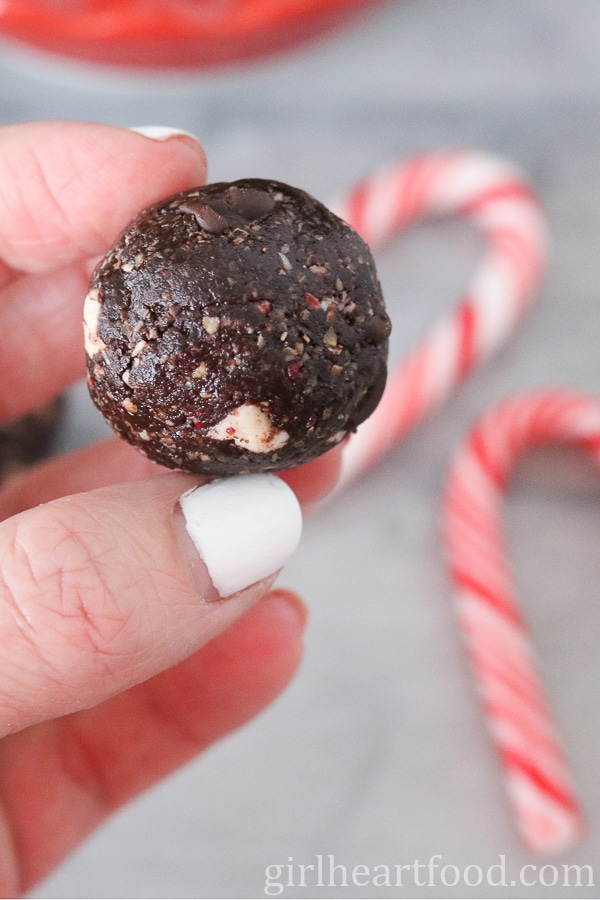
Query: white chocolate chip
(91,313)
(250,428)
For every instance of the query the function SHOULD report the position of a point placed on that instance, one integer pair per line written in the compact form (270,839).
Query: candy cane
(491,194)
(537,776)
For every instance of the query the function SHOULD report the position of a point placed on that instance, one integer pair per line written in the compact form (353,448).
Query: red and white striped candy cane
(537,776)
(493,195)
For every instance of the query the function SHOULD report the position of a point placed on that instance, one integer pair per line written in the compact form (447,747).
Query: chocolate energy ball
(236,328)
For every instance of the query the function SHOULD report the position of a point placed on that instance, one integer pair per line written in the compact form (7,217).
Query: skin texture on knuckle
(59,611)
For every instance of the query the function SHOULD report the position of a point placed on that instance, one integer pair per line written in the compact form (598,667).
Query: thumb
(100,591)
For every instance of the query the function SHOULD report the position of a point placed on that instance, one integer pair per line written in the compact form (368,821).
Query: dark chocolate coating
(250,297)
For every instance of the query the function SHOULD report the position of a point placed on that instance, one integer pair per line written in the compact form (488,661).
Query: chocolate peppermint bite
(236,328)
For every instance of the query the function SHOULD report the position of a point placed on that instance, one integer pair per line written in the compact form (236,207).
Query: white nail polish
(162,132)
(244,528)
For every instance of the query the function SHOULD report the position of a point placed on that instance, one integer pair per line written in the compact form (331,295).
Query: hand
(117,664)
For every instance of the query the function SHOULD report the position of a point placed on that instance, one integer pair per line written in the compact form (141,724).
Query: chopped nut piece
(200,371)
(330,338)
(211,324)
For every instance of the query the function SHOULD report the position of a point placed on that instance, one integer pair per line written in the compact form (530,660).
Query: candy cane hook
(494,196)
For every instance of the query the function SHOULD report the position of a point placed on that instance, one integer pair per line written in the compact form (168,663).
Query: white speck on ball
(91,313)
(250,428)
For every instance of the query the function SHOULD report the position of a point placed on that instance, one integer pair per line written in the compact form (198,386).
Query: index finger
(67,189)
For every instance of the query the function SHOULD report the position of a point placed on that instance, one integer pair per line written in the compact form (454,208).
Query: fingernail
(244,528)
(162,132)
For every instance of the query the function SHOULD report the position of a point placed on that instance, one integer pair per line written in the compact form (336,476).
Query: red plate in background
(171,33)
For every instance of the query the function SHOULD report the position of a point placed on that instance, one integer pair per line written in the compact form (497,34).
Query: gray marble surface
(377,753)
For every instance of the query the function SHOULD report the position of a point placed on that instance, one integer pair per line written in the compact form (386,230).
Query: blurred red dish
(170,33)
